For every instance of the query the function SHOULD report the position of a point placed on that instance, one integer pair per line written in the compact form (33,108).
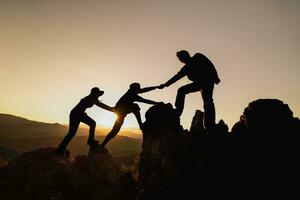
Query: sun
(107,119)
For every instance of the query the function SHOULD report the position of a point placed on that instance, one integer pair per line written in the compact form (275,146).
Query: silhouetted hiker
(202,72)
(78,115)
(126,105)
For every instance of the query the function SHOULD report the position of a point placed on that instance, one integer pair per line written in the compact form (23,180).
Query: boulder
(44,175)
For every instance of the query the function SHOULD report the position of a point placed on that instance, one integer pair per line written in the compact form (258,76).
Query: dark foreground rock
(42,174)
(264,149)
(257,159)
(176,163)
(260,153)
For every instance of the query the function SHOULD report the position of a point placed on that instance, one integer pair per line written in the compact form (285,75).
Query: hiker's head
(135,87)
(96,92)
(183,56)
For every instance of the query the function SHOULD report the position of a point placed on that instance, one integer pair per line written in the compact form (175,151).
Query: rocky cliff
(260,153)
(257,159)
(42,174)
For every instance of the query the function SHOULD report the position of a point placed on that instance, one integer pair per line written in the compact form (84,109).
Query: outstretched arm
(175,78)
(140,99)
(104,106)
(148,89)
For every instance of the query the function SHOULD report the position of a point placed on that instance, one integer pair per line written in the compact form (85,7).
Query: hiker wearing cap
(201,71)
(126,105)
(78,115)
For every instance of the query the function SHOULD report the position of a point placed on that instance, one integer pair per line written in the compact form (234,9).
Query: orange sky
(53,52)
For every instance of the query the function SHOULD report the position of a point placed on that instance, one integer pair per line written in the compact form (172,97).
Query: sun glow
(107,119)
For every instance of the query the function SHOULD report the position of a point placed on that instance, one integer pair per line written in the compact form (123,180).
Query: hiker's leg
(209,106)
(136,111)
(92,124)
(181,92)
(115,130)
(73,126)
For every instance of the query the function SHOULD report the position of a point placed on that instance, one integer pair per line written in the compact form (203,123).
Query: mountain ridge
(259,157)
(15,126)
(18,134)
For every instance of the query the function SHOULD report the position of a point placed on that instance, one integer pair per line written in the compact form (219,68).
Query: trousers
(75,120)
(207,96)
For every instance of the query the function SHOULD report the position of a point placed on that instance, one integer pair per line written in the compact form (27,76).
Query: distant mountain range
(14,127)
(19,135)
(8,153)
(119,146)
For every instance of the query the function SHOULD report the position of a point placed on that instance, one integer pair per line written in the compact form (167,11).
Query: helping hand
(161,86)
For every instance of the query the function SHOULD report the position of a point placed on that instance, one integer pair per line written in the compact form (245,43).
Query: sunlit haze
(53,52)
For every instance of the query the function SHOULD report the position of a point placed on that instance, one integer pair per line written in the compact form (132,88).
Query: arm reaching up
(140,99)
(175,78)
(148,89)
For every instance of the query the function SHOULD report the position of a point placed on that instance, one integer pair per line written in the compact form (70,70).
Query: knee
(92,124)
(181,91)
(136,108)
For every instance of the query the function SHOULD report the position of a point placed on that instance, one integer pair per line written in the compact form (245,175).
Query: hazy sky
(52,52)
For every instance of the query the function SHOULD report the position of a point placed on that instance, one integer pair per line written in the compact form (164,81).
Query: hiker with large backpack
(201,71)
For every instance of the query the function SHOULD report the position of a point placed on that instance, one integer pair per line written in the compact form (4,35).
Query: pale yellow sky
(53,52)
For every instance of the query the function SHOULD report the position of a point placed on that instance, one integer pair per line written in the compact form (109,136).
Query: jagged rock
(160,136)
(42,174)
(267,123)
(220,128)
(260,151)
(240,127)
(160,118)
(197,123)
(264,146)
(101,166)
(161,144)
(268,115)
(172,160)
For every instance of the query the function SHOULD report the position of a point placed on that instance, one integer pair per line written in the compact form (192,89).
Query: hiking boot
(103,149)
(92,143)
(60,152)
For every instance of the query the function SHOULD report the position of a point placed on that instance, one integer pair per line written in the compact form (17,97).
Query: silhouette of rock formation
(162,139)
(41,174)
(268,115)
(175,162)
(197,125)
(264,149)
(260,152)
(258,158)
